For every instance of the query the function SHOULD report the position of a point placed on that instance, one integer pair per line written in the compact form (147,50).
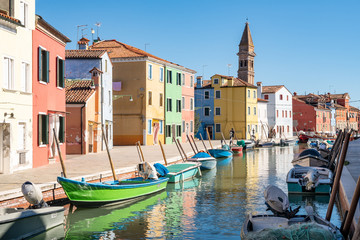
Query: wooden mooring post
(163,153)
(202,140)
(350,216)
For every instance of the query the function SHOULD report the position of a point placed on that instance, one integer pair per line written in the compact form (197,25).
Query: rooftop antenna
(229,66)
(77,33)
(82,32)
(203,72)
(98,24)
(146,45)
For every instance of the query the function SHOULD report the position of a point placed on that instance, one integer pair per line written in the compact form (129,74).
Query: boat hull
(294,188)
(237,149)
(104,193)
(182,172)
(310,161)
(206,164)
(23,223)
(220,153)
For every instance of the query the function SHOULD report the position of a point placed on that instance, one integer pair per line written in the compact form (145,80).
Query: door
(210,129)
(173,132)
(156,132)
(91,138)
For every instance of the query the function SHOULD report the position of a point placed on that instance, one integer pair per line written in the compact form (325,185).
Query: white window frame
(161,74)
(182,102)
(8,81)
(191,126)
(249,110)
(150,71)
(150,92)
(217,124)
(208,94)
(216,81)
(25,77)
(183,79)
(183,126)
(192,104)
(209,111)
(24,13)
(254,110)
(191,81)
(216,109)
(149,131)
(161,125)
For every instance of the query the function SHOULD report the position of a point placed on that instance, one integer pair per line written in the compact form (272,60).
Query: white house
(279,109)
(263,118)
(17,21)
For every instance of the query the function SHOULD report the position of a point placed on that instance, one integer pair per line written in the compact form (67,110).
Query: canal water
(211,207)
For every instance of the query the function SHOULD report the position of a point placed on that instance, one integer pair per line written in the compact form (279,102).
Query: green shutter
(62,129)
(46,129)
(40,65)
(47,66)
(58,71)
(62,73)
(39,130)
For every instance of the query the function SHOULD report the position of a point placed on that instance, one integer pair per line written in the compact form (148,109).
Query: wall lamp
(121,96)
(11,115)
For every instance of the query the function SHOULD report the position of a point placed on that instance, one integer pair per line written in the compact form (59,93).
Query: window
(178,79)
(43,129)
(206,95)
(266,97)
(149,126)
(43,65)
(183,80)
(249,110)
(191,81)
(288,129)
(248,93)
(217,111)
(183,126)
(167,131)
(21,136)
(169,76)
(254,94)
(169,105)
(245,63)
(218,127)
(216,81)
(287,97)
(178,105)
(285,113)
(241,63)
(206,111)
(282,113)
(249,129)
(254,110)
(217,94)
(178,130)
(161,75)
(8,73)
(161,100)
(25,84)
(23,14)
(150,98)
(150,71)
(256,129)
(191,104)
(277,113)
(161,126)
(182,103)
(62,129)
(281,97)
(60,72)
(191,126)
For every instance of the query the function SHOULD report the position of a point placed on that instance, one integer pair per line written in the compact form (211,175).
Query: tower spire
(246,56)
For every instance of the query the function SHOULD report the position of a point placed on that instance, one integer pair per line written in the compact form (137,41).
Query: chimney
(259,89)
(95,77)
(295,93)
(199,82)
(83,43)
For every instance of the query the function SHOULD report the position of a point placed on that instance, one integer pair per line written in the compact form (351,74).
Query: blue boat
(178,172)
(220,153)
(224,161)
(207,161)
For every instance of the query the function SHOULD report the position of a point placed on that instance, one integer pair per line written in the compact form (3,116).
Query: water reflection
(211,207)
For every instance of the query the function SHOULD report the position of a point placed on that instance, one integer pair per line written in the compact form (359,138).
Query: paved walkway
(125,159)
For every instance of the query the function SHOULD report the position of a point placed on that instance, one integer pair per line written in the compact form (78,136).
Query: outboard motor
(33,195)
(146,170)
(311,179)
(278,202)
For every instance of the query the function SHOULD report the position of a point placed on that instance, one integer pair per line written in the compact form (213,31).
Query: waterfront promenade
(90,166)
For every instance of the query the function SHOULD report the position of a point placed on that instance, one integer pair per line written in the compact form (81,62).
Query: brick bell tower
(246,56)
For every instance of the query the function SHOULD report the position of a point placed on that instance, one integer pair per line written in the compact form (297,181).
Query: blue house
(204,107)
(78,64)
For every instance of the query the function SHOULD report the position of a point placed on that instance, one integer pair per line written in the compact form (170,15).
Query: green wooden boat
(82,193)
(182,171)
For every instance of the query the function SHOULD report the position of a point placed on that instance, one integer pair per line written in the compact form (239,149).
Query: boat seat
(261,223)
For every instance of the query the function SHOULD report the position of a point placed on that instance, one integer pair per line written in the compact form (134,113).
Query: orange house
(48,90)
(83,125)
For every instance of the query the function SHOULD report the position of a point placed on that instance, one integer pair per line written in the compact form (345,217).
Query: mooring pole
(181,148)
(163,153)
(178,149)
(339,169)
(208,134)
(60,156)
(187,136)
(108,153)
(223,138)
(194,143)
(202,140)
(353,205)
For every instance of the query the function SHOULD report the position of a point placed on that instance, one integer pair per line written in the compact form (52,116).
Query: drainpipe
(81,126)
(101,103)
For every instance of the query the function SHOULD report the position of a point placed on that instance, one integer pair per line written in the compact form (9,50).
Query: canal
(211,207)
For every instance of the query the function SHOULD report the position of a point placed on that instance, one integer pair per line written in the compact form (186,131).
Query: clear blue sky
(309,46)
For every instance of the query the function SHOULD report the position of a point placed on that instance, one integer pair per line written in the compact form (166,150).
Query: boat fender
(33,195)
(161,169)
(146,170)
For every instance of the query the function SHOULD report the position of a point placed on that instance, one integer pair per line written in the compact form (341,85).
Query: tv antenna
(98,24)
(229,66)
(77,33)
(146,45)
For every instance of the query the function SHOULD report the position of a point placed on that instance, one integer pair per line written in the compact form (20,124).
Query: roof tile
(78,91)
(84,53)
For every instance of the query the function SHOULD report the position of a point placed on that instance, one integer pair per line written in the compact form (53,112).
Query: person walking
(232,133)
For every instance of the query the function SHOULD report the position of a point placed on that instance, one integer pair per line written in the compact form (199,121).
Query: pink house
(188,104)
(48,91)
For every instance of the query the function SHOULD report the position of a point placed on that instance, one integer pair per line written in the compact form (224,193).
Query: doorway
(210,129)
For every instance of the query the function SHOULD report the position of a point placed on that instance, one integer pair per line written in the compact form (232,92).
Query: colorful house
(83,103)
(48,87)
(17,22)
(235,106)
(187,104)
(204,108)
(78,66)
(140,100)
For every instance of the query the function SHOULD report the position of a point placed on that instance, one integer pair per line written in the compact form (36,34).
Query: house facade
(187,104)
(17,21)
(204,108)
(78,66)
(263,127)
(48,92)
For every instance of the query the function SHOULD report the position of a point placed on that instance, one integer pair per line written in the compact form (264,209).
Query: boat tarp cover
(201,155)
(241,143)
(161,169)
(309,231)
(276,198)
(310,151)
(226,147)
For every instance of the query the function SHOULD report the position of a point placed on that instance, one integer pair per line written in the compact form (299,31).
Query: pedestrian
(232,133)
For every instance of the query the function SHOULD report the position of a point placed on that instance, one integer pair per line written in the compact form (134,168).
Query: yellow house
(235,106)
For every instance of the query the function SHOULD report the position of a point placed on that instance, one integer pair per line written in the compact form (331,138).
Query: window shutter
(46,128)
(39,130)
(40,65)
(62,129)
(62,74)
(57,71)
(47,66)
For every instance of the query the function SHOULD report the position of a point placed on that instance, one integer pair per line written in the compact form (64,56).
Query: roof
(262,100)
(339,106)
(237,81)
(79,91)
(84,53)
(118,49)
(205,84)
(40,21)
(246,39)
(95,69)
(337,96)
(271,89)
(354,109)
(9,18)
